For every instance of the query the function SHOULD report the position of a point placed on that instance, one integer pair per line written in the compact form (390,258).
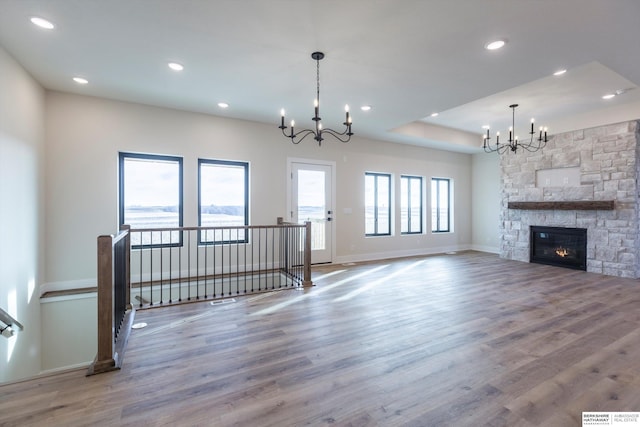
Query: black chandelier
(319,131)
(513,144)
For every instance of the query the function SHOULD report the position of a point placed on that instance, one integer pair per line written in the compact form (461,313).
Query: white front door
(311,200)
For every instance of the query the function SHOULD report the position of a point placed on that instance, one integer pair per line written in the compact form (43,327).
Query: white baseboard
(62,369)
(91,283)
(489,249)
(399,254)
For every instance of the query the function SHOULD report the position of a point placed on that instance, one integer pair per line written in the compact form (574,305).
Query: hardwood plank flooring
(463,339)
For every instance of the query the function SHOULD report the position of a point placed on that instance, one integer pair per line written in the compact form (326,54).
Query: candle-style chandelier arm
(497,148)
(533,145)
(297,137)
(339,135)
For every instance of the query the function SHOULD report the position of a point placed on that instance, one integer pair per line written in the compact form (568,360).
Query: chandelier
(534,144)
(319,131)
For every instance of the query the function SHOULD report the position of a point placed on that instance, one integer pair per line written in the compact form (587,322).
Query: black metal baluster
(198,267)
(237,261)
(189,266)
(181,234)
(151,268)
(244,258)
(161,266)
(140,254)
(273,258)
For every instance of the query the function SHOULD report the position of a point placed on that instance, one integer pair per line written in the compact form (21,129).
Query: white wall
(485,202)
(21,215)
(69,331)
(85,134)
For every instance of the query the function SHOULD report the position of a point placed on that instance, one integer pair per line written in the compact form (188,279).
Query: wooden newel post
(307,255)
(104,359)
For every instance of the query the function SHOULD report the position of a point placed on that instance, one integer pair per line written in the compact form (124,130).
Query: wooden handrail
(226,227)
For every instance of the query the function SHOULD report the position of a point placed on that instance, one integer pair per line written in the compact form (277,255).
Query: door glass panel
(311,205)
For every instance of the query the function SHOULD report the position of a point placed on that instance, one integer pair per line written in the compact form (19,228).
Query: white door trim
(290,162)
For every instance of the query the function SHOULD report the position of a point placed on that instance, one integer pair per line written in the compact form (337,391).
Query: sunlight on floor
(319,291)
(377,282)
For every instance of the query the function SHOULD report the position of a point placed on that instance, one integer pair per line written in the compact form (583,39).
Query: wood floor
(462,339)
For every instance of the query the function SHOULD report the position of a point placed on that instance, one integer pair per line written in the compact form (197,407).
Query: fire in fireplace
(559,246)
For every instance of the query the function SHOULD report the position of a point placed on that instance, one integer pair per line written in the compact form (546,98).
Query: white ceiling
(405,58)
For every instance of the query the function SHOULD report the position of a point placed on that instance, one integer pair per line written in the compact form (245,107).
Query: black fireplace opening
(559,246)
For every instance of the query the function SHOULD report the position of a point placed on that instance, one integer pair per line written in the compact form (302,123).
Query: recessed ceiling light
(608,96)
(223,105)
(560,72)
(434,114)
(80,80)
(497,44)
(42,23)
(366,108)
(175,66)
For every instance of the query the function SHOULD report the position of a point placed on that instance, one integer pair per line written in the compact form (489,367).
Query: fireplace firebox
(562,247)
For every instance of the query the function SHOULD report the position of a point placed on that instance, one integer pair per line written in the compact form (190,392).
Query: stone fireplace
(582,179)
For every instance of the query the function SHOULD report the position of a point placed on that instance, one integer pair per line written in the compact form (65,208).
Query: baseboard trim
(488,249)
(63,369)
(376,256)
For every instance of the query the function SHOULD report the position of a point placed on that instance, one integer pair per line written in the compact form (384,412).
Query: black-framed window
(440,205)
(223,200)
(377,204)
(410,204)
(150,196)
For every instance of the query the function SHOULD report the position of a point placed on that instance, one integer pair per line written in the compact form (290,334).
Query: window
(377,204)
(411,204)
(150,188)
(223,199)
(440,205)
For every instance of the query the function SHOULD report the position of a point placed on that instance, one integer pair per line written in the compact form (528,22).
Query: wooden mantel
(579,205)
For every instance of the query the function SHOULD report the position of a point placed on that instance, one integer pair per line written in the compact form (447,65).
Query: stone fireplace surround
(608,168)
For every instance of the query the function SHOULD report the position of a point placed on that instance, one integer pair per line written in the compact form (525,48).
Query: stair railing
(8,324)
(161,266)
(115,313)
